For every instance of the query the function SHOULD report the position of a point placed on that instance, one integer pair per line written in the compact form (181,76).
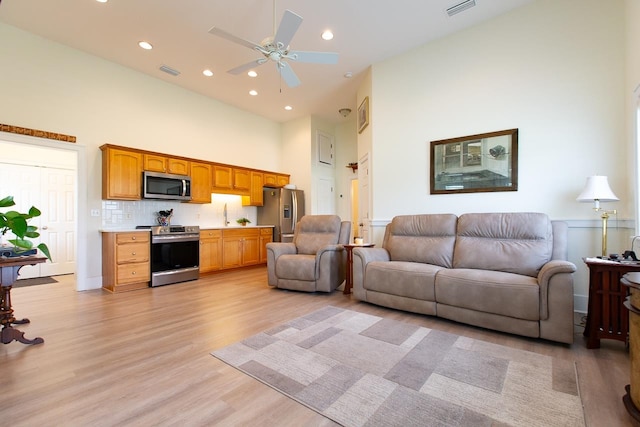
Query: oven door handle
(171,239)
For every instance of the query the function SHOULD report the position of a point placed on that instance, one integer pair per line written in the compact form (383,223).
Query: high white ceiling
(366,32)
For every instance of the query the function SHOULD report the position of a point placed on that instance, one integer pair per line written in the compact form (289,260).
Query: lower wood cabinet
(210,250)
(240,247)
(226,248)
(125,260)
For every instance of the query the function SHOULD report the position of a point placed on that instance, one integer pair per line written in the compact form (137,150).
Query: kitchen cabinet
(240,247)
(266,236)
(256,196)
(222,178)
(210,250)
(201,179)
(125,260)
(159,163)
(242,181)
(274,180)
(121,174)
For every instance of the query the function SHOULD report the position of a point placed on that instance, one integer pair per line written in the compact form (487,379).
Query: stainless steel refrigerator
(282,208)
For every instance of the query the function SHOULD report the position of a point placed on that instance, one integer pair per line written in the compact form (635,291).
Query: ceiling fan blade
(249,65)
(287,74)
(313,57)
(221,33)
(287,29)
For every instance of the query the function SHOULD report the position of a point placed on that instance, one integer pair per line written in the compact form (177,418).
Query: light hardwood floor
(142,357)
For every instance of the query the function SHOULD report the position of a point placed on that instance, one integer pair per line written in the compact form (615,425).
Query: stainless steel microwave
(157,185)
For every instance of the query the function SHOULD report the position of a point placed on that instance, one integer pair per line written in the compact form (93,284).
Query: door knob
(45,228)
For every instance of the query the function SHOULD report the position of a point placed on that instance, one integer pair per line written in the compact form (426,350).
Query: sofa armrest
(274,251)
(546,274)
(330,267)
(362,257)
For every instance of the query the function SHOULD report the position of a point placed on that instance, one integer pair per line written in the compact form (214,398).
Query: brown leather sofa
(502,271)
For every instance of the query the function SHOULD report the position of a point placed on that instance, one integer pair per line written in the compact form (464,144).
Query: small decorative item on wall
(363,115)
(477,163)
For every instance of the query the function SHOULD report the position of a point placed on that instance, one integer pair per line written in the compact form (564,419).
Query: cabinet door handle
(133,272)
(133,238)
(133,253)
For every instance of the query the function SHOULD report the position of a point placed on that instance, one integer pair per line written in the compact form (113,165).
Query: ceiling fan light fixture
(327,35)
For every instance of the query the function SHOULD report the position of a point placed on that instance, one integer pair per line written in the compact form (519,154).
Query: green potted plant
(243,221)
(16,222)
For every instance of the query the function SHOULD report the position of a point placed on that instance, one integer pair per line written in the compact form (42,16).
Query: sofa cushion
(496,292)
(314,232)
(297,267)
(519,243)
(428,239)
(401,278)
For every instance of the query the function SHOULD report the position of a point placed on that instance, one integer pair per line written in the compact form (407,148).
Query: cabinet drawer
(266,231)
(131,273)
(241,232)
(210,234)
(132,252)
(132,237)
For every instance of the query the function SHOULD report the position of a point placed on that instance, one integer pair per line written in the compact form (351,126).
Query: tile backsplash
(128,214)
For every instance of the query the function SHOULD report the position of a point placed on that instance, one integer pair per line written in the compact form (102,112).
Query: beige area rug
(363,370)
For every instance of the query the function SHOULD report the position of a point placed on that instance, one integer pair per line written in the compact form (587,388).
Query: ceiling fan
(276,48)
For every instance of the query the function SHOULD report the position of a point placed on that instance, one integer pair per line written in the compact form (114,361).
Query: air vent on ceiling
(461,7)
(169,70)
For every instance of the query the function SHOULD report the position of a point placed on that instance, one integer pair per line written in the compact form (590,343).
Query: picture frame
(363,114)
(485,162)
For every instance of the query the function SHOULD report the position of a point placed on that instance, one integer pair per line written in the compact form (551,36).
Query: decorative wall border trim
(37,133)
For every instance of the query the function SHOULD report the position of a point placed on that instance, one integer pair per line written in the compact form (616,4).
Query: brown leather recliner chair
(315,261)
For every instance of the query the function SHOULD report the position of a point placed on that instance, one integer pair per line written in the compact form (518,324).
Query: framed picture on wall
(363,115)
(477,163)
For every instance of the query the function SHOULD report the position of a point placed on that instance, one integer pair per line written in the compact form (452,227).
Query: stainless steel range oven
(175,254)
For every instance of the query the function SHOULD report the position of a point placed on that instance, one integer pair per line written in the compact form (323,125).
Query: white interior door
(52,191)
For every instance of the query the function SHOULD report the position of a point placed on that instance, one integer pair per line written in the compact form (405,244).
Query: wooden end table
(348,284)
(9,269)
(606,316)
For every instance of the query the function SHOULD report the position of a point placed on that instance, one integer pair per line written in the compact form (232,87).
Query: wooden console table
(606,316)
(9,269)
(348,283)
(632,398)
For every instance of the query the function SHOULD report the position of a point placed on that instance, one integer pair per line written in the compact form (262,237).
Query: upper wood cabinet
(242,181)
(201,178)
(158,163)
(222,177)
(275,180)
(256,196)
(121,174)
(122,169)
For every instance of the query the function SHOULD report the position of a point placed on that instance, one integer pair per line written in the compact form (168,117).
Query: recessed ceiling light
(327,35)
(145,45)
(252,74)
(253,92)
(102,1)
(208,73)
(348,75)
(288,107)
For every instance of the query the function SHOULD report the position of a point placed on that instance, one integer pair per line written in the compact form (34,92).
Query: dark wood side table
(606,316)
(632,303)
(348,284)
(9,269)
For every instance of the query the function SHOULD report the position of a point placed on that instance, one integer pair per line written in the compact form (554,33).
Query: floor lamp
(597,190)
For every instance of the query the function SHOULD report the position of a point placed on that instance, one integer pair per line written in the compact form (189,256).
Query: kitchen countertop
(129,229)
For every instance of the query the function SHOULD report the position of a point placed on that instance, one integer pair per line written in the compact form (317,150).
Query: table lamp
(597,190)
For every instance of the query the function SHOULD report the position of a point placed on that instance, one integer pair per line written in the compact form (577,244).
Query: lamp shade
(597,188)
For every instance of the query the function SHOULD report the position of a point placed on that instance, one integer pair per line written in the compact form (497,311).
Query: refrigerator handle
(294,212)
